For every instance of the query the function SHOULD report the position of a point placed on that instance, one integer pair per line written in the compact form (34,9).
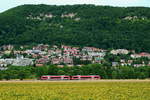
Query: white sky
(6,4)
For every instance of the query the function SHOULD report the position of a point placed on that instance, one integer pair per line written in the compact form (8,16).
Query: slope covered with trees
(82,25)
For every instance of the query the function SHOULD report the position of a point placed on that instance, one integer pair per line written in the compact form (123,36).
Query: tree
(7,75)
(141,75)
(1,75)
(23,74)
(41,71)
(52,70)
(114,75)
(61,72)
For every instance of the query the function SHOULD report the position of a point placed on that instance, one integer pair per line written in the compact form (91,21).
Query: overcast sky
(6,4)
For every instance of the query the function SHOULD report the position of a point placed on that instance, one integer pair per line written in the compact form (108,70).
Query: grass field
(84,90)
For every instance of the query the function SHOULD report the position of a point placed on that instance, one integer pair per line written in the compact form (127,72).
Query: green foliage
(14,72)
(99,26)
(114,75)
(23,74)
(106,72)
(41,71)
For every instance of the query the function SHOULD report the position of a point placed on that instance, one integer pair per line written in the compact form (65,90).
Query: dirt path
(132,80)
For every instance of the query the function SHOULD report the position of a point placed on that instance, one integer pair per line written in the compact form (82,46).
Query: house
(123,64)
(115,64)
(42,61)
(35,56)
(28,52)
(41,47)
(56,60)
(98,59)
(86,57)
(135,56)
(60,66)
(70,51)
(130,17)
(7,52)
(119,51)
(70,15)
(130,62)
(93,54)
(143,54)
(67,60)
(77,19)
(92,51)
(18,52)
(49,15)
(36,51)
(56,52)
(138,65)
(6,62)
(122,60)
(148,63)
(88,49)
(8,47)
(3,68)
(22,62)
(100,54)
(39,65)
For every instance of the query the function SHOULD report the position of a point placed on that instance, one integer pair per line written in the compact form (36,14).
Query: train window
(75,77)
(86,77)
(55,77)
(66,77)
(44,77)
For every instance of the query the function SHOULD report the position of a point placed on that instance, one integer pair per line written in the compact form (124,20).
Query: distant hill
(82,25)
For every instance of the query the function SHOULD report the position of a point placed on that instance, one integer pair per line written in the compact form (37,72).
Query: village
(41,55)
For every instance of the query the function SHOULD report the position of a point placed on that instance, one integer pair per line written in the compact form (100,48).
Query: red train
(65,77)
(85,77)
(54,77)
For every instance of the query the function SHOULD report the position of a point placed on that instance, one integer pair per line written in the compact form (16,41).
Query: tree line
(106,72)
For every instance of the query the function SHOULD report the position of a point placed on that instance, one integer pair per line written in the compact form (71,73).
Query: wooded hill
(82,25)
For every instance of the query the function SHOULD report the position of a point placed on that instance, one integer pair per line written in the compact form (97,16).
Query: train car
(85,77)
(55,77)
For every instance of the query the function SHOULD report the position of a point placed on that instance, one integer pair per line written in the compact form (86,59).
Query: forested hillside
(82,25)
